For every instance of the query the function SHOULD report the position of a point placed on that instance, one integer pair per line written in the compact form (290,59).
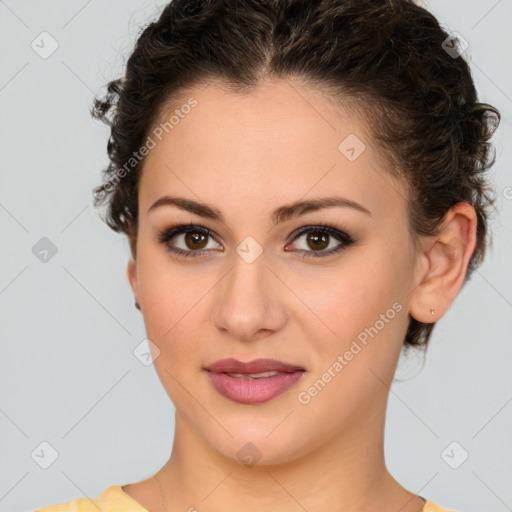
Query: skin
(246,154)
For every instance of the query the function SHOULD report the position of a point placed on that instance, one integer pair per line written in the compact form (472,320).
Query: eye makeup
(197,234)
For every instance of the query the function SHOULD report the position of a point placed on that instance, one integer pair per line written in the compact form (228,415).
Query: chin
(256,444)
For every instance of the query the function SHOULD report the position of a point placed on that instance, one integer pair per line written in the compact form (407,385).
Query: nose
(248,302)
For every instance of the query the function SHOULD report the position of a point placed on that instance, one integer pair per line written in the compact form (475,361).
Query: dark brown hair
(388,57)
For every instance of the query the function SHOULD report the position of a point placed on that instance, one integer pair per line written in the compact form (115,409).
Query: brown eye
(195,240)
(320,238)
(187,240)
(191,240)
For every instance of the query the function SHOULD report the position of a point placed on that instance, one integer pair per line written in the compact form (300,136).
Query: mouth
(253,382)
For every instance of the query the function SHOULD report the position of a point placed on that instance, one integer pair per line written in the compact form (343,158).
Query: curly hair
(388,57)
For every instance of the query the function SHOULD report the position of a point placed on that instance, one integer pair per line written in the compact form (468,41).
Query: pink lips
(252,391)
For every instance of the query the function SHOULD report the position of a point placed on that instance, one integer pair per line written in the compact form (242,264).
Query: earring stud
(137,305)
(431,310)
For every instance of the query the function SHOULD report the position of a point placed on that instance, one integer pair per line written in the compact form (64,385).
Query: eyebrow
(280,214)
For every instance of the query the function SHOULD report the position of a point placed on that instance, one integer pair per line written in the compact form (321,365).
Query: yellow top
(114,499)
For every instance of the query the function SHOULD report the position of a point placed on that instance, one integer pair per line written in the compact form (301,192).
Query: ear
(132,278)
(443,263)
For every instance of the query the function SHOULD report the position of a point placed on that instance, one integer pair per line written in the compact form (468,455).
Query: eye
(192,239)
(320,238)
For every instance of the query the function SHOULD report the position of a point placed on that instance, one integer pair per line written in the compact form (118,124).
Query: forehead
(274,144)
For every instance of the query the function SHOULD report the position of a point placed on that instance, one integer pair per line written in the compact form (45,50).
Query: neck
(347,470)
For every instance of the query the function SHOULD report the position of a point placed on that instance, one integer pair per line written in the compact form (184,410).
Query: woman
(303,188)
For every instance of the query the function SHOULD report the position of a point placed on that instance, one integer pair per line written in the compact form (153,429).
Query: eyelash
(344,238)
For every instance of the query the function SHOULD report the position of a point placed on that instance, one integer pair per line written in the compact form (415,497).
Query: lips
(253,382)
(256,366)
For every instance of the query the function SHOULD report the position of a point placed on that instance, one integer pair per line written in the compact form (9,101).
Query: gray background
(68,374)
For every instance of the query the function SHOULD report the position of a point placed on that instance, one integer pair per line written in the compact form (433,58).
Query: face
(263,281)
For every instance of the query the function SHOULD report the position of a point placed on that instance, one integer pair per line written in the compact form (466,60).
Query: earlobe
(132,278)
(447,257)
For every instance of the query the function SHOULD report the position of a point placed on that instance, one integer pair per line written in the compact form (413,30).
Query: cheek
(359,312)
(172,298)
(174,318)
(354,366)
(350,296)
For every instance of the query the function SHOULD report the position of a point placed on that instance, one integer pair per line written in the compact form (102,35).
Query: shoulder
(430,506)
(112,499)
